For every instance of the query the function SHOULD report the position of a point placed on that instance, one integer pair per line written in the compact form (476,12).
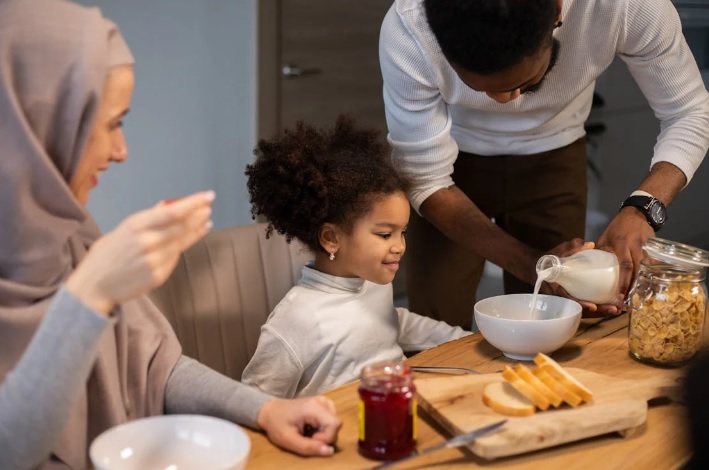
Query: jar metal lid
(676,253)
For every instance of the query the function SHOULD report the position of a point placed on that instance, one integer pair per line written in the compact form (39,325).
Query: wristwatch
(652,208)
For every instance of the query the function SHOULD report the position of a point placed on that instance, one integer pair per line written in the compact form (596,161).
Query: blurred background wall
(192,120)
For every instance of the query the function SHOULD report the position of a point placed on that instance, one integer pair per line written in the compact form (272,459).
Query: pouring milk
(590,275)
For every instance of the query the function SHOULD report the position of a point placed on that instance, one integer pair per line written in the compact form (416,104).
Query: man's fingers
(625,274)
(589,314)
(606,310)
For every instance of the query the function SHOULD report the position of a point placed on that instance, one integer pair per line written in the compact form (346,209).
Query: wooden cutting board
(619,405)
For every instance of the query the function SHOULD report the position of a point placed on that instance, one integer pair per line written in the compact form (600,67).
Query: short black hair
(306,177)
(488,36)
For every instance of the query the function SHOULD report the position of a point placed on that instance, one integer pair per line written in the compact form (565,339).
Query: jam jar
(668,303)
(387,411)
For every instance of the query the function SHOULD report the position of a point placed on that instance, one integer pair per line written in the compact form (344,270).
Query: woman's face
(106,142)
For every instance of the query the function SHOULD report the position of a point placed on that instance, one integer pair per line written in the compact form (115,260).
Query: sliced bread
(553,368)
(536,397)
(566,394)
(528,376)
(503,398)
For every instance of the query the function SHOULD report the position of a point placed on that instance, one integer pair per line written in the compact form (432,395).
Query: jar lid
(676,253)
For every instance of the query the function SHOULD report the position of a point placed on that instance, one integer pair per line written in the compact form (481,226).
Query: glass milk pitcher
(590,275)
(668,303)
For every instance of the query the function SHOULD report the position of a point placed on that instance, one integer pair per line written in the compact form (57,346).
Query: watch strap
(640,192)
(643,201)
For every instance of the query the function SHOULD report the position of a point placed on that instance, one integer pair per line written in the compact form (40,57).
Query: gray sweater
(36,396)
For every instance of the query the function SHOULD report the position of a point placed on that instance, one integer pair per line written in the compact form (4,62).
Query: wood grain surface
(599,346)
(618,405)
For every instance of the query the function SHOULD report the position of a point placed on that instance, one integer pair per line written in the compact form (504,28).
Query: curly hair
(306,177)
(489,36)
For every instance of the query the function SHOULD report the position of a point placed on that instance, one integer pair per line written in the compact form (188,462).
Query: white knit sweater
(327,328)
(431,113)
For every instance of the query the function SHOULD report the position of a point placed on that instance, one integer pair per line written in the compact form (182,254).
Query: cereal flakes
(667,325)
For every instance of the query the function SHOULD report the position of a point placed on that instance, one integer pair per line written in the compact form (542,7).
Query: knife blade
(457,441)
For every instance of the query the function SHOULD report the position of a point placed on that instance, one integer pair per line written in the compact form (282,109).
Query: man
(485,104)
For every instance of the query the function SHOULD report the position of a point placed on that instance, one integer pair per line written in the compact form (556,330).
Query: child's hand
(140,253)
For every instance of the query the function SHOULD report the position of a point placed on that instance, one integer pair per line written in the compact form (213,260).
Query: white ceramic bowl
(172,442)
(505,322)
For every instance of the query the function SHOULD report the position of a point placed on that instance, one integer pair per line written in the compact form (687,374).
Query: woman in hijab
(81,347)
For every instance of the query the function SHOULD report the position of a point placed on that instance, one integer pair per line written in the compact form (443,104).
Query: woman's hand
(140,253)
(288,424)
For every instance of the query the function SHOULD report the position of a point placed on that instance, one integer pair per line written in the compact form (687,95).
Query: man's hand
(625,236)
(590,309)
(629,230)
(307,426)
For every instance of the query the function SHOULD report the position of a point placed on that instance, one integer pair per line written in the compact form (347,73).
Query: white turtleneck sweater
(431,113)
(327,328)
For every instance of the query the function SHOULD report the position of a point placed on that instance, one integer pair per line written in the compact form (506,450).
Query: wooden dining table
(598,346)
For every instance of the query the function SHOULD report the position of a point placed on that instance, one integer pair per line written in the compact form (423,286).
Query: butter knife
(457,441)
(443,369)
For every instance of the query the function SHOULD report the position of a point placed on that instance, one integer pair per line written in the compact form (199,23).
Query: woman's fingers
(327,403)
(285,422)
(141,252)
(173,226)
(174,213)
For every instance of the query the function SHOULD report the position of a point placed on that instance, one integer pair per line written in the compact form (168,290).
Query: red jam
(387,411)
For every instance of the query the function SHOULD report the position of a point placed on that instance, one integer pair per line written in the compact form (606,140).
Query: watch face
(657,212)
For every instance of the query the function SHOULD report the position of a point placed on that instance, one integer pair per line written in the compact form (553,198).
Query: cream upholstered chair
(224,288)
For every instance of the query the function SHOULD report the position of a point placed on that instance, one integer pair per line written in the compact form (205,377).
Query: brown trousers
(539,199)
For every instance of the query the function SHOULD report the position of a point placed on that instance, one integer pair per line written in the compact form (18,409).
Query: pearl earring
(332,256)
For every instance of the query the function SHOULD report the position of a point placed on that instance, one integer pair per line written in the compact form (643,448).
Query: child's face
(373,249)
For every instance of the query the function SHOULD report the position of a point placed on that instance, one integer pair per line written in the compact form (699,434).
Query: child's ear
(329,238)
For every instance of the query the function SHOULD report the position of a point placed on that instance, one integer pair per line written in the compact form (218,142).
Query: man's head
(501,47)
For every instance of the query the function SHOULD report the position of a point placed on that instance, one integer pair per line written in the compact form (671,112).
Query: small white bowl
(505,322)
(172,442)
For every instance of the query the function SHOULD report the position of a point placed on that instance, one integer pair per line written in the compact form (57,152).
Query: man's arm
(419,131)
(454,214)
(659,59)
(628,231)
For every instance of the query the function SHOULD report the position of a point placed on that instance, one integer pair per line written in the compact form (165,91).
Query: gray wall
(192,120)
(623,155)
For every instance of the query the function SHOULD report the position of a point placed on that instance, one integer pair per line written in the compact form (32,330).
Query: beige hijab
(54,58)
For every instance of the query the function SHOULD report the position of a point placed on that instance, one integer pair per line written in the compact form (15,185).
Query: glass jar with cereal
(668,303)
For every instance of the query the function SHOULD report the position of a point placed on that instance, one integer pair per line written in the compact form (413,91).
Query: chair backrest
(224,288)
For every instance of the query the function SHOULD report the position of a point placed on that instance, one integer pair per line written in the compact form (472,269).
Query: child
(337,192)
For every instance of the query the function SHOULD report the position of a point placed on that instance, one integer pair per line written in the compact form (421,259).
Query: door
(327,64)
(330,61)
